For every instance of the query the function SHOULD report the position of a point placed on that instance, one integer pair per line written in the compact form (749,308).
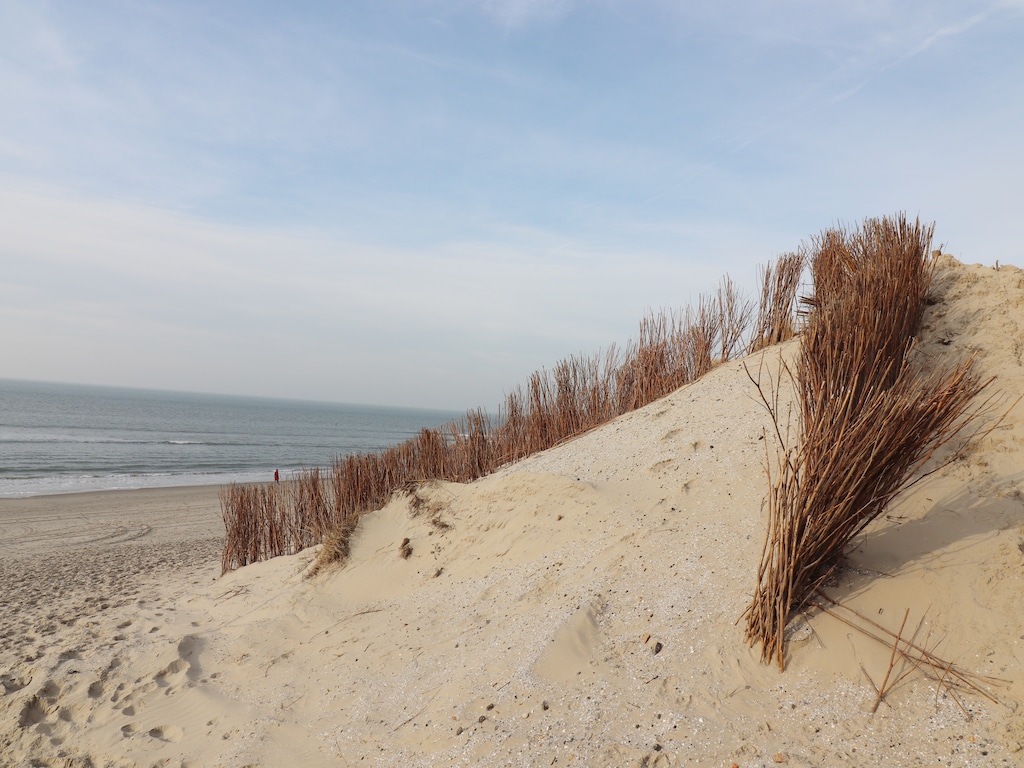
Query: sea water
(61,438)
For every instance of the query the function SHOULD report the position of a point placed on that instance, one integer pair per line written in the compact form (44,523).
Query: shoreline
(51,486)
(184,489)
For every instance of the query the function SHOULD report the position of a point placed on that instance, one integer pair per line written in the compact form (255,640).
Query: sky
(420,202)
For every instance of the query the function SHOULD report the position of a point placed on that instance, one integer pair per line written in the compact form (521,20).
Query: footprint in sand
(33,713)
(169,733)
(172,674)
(186,666)
(12,683)
(50,691)
(116,696)
(661,466)
(189,648)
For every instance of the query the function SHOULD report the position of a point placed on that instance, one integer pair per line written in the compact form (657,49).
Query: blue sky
(419,202)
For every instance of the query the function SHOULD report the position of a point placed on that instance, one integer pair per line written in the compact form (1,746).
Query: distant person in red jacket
(277,477)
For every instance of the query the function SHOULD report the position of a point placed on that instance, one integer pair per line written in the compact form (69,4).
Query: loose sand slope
(577,608)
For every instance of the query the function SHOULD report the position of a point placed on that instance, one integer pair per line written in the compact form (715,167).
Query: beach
(581,607)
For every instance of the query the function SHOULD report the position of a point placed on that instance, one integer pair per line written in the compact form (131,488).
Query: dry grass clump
(336,544)
(870,415)
(580,393)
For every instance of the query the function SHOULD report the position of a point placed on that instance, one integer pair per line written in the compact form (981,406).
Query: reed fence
(578,394)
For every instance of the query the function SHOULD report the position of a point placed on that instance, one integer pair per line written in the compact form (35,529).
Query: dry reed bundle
(580,393)
(779,285)
(734,316)
(870,417)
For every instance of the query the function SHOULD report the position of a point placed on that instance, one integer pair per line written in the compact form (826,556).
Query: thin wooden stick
(892,663)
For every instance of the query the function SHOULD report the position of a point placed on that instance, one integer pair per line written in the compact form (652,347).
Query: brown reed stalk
(884,687)
(870,417)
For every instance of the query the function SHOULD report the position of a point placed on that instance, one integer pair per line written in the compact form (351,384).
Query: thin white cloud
(862,42)
(948,31)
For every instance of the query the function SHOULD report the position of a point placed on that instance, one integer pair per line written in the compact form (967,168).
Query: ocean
(62,438)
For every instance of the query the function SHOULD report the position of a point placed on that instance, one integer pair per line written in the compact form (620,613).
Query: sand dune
(578,608)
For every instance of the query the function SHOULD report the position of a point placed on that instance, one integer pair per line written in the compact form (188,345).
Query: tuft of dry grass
(871,414)
(336,545)
(577,395)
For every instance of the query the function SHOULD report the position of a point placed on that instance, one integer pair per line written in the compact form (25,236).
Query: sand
(577,608)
